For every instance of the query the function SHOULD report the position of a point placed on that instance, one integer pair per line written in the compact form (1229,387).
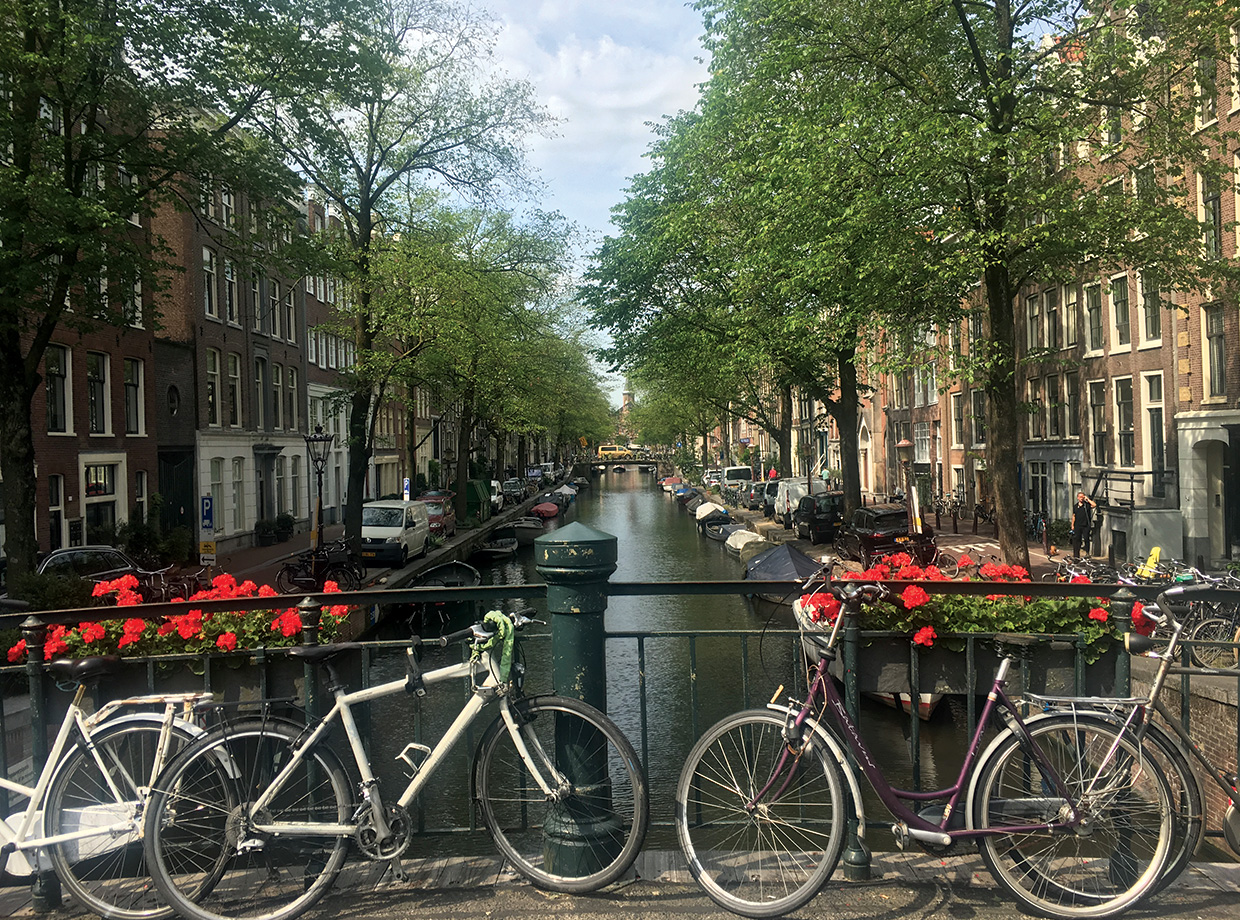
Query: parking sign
(208,514)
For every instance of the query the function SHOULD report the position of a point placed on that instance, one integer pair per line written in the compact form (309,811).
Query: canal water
(665,690)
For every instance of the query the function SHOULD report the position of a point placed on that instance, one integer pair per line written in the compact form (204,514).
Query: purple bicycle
(1070,815)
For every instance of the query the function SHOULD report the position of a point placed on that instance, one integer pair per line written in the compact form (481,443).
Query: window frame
(1122,338)
(210,289)
(65,389)
(212,391)
(98,396)
(135,393)
(1125,422)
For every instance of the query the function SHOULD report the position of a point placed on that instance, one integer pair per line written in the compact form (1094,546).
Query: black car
(94,563)
(877,530)
(755,495)
(819,517)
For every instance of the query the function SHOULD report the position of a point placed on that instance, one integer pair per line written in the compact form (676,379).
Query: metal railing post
(1121,613)
(856,854)
(44,886)
(576,562)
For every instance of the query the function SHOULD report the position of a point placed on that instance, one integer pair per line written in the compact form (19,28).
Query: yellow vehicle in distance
(615,452)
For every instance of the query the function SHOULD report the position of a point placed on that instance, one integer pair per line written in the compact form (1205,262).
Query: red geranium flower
(17,651)
(925,636)
(914,596)
(822,607)
(1098,614)
(227,641)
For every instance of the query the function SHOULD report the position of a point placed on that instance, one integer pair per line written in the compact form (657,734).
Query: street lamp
(904,449)
(317,445)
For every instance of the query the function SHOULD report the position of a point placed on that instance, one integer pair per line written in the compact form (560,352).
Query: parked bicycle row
(1083,809)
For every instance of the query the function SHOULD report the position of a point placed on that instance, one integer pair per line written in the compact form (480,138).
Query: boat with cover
(785,563)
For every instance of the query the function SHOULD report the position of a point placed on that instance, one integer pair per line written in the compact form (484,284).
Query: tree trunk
(359,461)
(783,436)
(845,414)
(464,429)
(1003,417)
(17,463)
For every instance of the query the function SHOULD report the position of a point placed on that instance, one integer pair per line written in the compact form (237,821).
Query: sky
(605,68)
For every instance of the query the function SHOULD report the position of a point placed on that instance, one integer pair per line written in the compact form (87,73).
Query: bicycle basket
(335,556)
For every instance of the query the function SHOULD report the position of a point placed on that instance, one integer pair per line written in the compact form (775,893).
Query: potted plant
(265,532)
(284,525)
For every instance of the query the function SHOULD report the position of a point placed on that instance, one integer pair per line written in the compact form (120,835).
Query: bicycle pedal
(411,750)
(899,830)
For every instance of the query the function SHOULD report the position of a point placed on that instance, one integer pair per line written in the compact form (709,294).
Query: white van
(733,476)
(791,491)
(394,531)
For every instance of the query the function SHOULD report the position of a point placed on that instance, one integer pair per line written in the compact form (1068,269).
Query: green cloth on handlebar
(502,633)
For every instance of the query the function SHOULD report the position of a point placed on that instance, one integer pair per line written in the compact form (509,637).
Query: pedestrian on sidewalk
(1082,524)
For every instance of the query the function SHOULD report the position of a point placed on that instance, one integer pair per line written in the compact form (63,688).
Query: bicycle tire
(1071,874)
(206,858)
(285,578)
(1215,629)
(947,564)
(343,576)
(764,861)
(107,874)
(601,810)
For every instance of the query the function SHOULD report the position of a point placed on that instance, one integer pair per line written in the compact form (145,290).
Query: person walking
(1082,524)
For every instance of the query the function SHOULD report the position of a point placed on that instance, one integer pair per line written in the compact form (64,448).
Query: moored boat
(780,563)
(545,510)
(740,538)
(428,616)
(498,548)
(720,531)
(526,529)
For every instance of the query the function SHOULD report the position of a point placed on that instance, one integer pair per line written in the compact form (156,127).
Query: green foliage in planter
(264,526)
(285,522)
(51,592)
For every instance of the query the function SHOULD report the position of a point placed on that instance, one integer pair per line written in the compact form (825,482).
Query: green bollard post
(576,562)
(856,853)
(1121,619)
(45,894)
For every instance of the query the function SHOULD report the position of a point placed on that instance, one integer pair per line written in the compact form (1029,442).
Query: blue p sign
(208,513)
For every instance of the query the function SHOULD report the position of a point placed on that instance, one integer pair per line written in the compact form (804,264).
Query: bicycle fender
(841,757)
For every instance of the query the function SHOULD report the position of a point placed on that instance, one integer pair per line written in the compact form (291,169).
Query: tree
(1005,126)
(429,116)
(112,110)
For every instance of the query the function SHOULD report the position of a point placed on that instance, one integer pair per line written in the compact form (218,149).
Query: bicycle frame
(490,689)
(894,799)
(20,839)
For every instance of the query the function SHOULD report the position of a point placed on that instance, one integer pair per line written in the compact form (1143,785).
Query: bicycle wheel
(590,830)
(342,574)
(107,873)
(1112,857)
(285,583)
(212,860)
(947,563)
(1215,629)
(769,857)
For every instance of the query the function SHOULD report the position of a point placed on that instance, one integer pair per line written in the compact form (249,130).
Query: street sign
(208,514)
(206,552)
(406,488)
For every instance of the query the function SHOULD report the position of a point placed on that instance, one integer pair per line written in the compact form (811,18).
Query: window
(56,374)
(1206,72)
(1151,307)
(139,496)
(921,442)
(232,310)
(213,387)
(132,308)
(1155,436)
(957,420)
(1112,132)
(295,485)
(281,465)
(1124,421)
(260,394)
(256,301)
(1234,66)
(979,416)
(126,181)
(1120,311)
(290,328)
(1035,409)
(217,488)
(135,409)
(273,310)
(228,208)
(312,352)
(238,493)
(206,198)
(1033,317)
(975,331)
(1072,317)
(1211,217)
(277,396)
(1054,411)
(209,304)
(290,400)
(1144,184)
(1216,356)
(323,350)
(1098,420)
(100,500)
(1051,302)
(1093,316)
(234,390)
(331,351)
(97,392)
(55,512)
(1072,404)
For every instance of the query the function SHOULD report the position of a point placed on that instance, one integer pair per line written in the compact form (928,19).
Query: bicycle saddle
(85,670)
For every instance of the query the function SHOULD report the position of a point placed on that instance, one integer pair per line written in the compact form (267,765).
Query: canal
(665,690)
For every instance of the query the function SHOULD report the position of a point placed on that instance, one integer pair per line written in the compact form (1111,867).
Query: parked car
(734,477)
(755,496)
(877,530)
(442,513)
(394,531)
(497,497)
(770,490)
(818,518)
(791,491)
(95,563)
(514,491)
(711,478)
